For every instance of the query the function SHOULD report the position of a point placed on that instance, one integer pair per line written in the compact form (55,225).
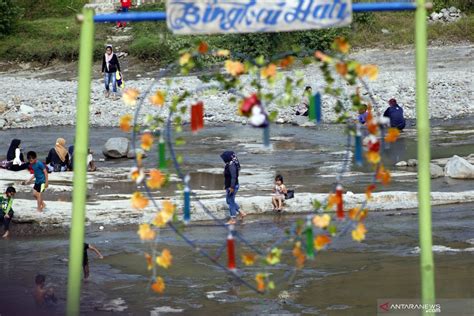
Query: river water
(345,280)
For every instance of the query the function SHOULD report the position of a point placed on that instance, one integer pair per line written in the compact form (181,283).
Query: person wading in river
(85,259)
(231,184)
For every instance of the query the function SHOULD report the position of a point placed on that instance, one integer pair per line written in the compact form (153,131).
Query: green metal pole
(76,247)
(424,178)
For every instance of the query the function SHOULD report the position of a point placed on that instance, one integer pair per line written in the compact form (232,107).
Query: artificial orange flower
(321,221)
(368,191)
(149,262)
(287,61)
(147,141)
(165,259)
(146,232)
(341,69)
(321,241)
(158,98)
(260,279)
(168,207)
(184,59)
(137,175)
(165,215)
(342,45)
(159,285)
(392,135)
(156,179)
(248,259)
(383,175)
(269,72)
(373,157)
(353,212)
(333,199)
(372,127)
(125,123)
(299,255)
(130,96)
(363,215)
(358,234)
(323,57)
(203,48)
(235,68)
(139,201)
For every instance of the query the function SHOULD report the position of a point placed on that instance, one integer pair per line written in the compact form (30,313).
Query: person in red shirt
(125,6)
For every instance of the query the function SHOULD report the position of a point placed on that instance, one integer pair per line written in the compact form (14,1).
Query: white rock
(116,147)
(436,171)
(459,168)
(280,121)
(401,164)
(385,31)
(412,163)
(25,109)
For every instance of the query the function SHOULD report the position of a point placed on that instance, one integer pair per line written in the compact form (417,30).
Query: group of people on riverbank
(394,112)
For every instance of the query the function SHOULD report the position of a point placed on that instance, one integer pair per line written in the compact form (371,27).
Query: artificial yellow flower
(158,98)
(358,234)
(184,59)
(321,221)
(139,201)
(130,96)
(125,123)
(156,179)
(223,53)
(147,141)
(146,232)
(165,259)
(159,285)
(323,57)
(274,256)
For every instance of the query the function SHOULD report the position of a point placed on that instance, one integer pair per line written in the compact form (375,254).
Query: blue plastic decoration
(358,147)
(266,136)
(187,204)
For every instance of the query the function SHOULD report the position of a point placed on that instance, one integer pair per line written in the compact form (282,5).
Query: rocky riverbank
(33,98)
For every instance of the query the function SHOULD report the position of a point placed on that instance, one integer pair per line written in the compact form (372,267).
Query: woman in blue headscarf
(231,184)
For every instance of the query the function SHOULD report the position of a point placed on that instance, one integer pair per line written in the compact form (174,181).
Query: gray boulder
(401,164)
(459,168)
(116,147)
(436,171)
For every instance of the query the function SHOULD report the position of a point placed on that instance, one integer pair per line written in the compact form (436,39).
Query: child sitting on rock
(278,196)
(6,213)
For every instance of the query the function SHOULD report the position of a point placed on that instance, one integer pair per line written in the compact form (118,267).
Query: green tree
(9,15)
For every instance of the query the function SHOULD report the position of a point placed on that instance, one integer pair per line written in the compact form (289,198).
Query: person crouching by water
(110,65)
(6,214)
(303,107)
(15,156)
(58,157)
(395,113)
(231,181)
(278,196)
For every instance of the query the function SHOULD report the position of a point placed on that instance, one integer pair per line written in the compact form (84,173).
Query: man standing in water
(231,184)
(395,113)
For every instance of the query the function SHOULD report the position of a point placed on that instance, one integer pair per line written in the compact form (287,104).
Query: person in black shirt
(110,65)
(85,259)
(231,184)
